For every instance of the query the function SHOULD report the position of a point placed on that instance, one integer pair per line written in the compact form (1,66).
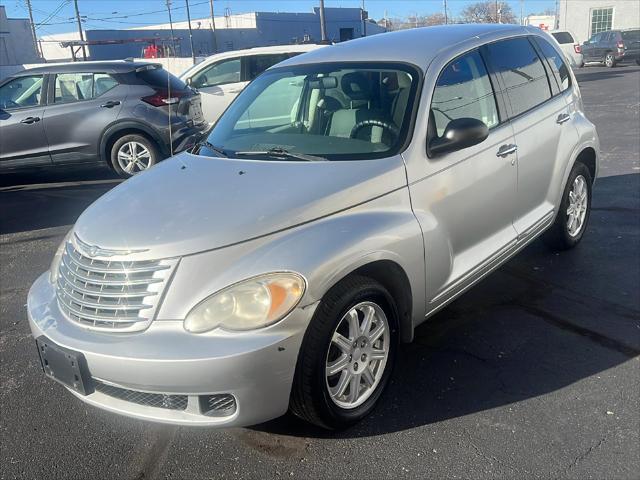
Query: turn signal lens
(254,303)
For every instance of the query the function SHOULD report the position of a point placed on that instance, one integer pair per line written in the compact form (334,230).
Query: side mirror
(459,133)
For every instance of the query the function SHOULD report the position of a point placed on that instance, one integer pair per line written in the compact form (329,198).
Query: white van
(220,78)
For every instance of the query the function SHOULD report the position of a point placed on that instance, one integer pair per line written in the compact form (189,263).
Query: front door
(218,84)
(79,109)
(22,138)
(465,199)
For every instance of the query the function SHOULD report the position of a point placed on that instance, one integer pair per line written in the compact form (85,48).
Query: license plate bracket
(65,366)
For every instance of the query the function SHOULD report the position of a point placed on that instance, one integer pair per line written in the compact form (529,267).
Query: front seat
(356,87)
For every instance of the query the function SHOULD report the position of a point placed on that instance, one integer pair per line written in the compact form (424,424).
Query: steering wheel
(389,127)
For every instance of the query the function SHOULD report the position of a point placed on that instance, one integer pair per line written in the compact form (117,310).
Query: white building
(587,17)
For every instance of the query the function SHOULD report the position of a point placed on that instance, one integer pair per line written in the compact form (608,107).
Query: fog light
(219,405)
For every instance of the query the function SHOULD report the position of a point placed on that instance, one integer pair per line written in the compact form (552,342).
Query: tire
(609,60)
(146,155)
(311,399)
(561,236)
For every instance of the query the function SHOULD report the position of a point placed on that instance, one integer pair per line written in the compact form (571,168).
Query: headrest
(404,80)
(356,86)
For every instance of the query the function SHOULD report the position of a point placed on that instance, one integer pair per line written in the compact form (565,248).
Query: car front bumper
(257,367)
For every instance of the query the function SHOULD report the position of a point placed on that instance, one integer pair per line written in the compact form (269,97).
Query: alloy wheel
(134,157)
(578,204)
(357,355)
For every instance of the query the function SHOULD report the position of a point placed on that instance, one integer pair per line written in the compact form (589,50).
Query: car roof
(417,46)
(116,66)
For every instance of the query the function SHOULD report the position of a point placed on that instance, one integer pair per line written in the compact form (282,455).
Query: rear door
(218,84)
(22,138)
(589,47)
(542,127)
(80,107)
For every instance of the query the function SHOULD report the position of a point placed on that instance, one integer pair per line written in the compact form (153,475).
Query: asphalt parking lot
(534,373)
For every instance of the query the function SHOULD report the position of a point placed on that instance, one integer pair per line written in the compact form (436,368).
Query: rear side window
(74,87)
(556,62)
(259,63)
(160,78)
(563,37)
(525,80)
(220,73)
(464,90)
(631,36)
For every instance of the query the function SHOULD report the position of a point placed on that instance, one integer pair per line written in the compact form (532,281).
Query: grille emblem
(96,251)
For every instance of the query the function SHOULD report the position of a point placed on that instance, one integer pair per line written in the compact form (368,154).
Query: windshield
(330,111)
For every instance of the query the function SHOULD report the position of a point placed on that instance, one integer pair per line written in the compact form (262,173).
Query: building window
(601,20)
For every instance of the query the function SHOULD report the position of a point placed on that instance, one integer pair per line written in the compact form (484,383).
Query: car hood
(189,203)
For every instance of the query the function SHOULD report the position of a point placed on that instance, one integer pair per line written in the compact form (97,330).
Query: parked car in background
(612,47)
(287,258)
(570,46)
(220,78)
(125,114)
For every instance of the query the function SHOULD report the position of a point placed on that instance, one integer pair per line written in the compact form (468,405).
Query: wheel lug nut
(355,366)
(363,357)
(364,342)
(350,357)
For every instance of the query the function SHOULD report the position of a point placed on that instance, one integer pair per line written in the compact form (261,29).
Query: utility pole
(33,30)
(173,39)
(497,8)
(446,16)
(84,50)
(323,25)
(364,21)
(521,12)
(193,52)
(213,28)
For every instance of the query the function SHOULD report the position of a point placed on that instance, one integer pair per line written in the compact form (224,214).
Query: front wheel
(610,60)
(573,215)
(347,355)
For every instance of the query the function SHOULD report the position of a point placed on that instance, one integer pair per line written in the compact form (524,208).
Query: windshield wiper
(211,146)
(282,153)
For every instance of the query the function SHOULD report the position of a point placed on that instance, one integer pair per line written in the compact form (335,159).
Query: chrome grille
(113,295)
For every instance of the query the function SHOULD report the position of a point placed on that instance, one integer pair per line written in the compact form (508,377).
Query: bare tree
(485,12)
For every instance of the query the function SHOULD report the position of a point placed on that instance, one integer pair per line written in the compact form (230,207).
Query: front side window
(337,111)
(601,19)
(525,80)
(21,92)
(464,90)
(223,72)
(557,63)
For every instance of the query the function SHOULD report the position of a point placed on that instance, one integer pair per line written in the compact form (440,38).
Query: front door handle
(111,104)
(563,117)
(30,120)
(505,150)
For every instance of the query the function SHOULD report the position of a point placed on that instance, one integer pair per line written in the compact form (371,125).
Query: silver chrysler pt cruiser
(344,197)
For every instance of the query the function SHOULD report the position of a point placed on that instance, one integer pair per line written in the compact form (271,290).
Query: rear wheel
(573,215)
(347,355)
(610,60)
(132,154)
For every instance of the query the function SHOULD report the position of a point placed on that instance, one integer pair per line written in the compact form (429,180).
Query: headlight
(253,303)
(57,258)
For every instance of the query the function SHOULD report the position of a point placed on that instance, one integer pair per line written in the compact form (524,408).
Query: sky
(56,16)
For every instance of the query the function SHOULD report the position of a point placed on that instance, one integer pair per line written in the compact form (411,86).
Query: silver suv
(344,197)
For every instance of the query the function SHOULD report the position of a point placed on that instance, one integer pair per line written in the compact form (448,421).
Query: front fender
(323,251)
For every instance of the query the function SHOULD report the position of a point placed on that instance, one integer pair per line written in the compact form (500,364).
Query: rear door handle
(30,120)
(563,117)
(505,150)
(111,104)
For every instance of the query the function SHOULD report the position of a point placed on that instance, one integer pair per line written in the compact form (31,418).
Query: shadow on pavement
(540,323)
(584,75)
